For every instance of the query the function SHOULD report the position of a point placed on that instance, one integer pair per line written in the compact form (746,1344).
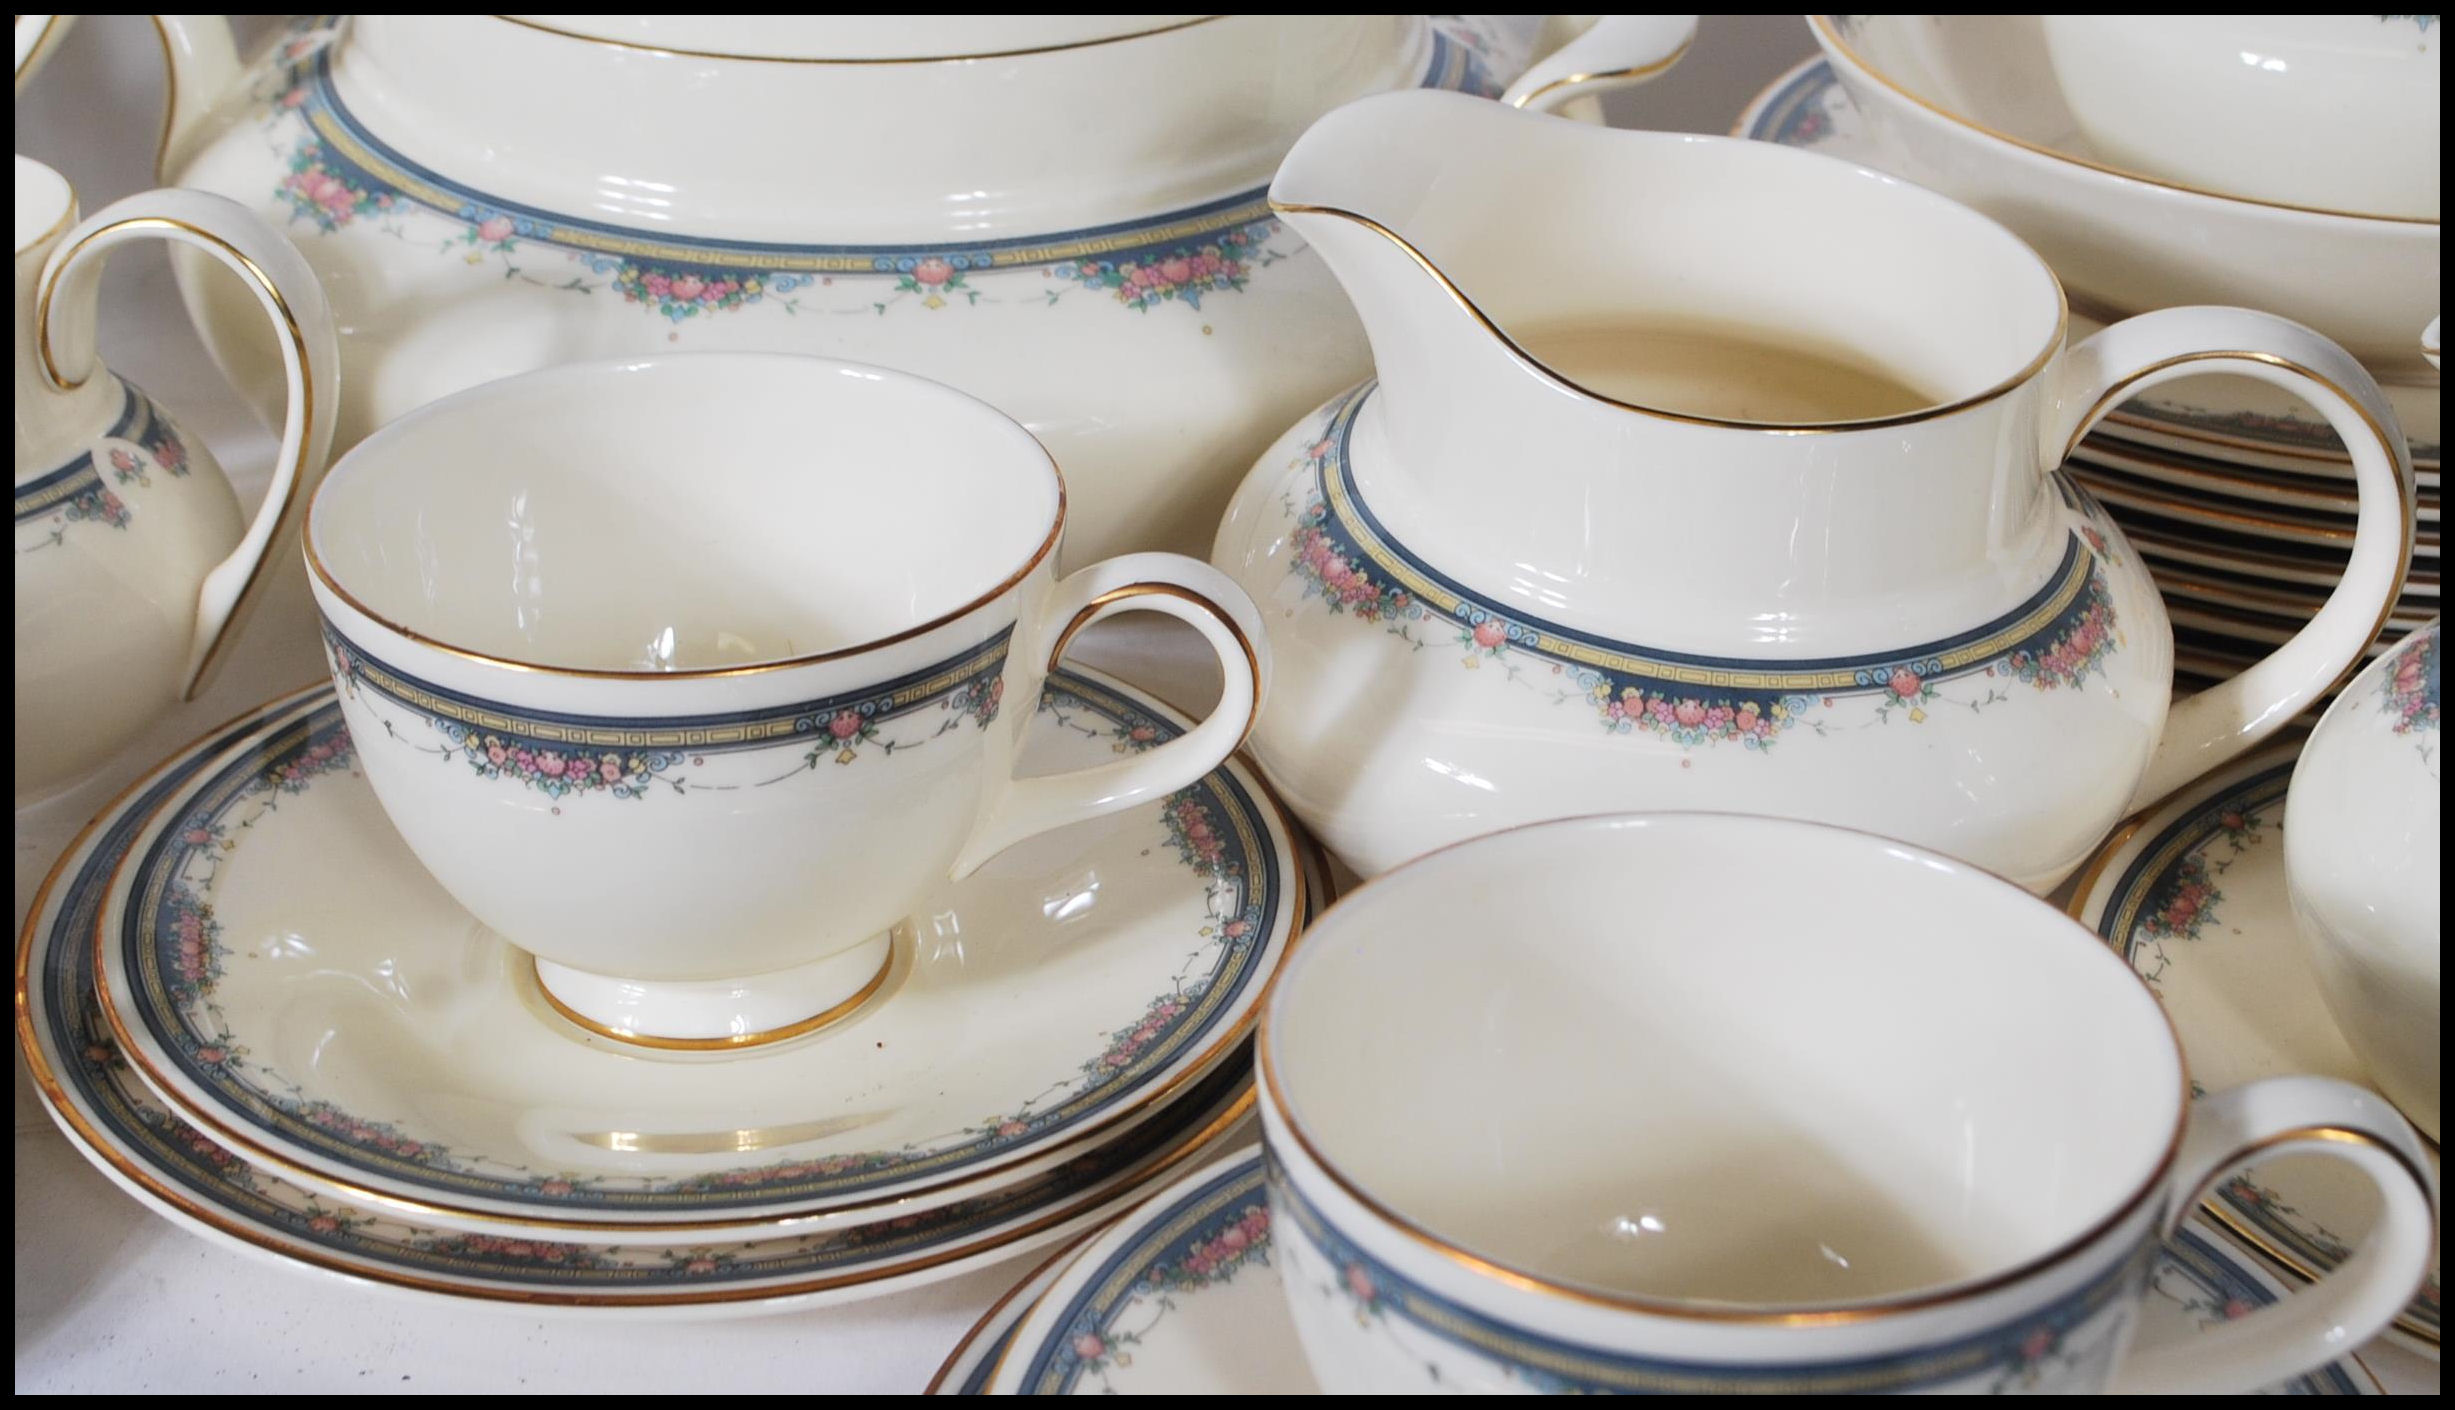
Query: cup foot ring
(718,1015)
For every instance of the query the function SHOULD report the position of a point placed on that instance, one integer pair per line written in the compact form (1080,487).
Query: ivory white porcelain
(37,39)
(135,566)
(1062,215)
(2194,895)
(2234,418)
(1181,1295)
(277,965)
(687,675)
(150,1151)
(1782,1108)
(2334,112)
(2362,859)
(1967,104)
(1495,595)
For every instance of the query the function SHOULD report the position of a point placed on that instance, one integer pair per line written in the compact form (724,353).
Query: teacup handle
(2298,1116)
(1614,52)
(2220,724)
(310,364)
(1187,589)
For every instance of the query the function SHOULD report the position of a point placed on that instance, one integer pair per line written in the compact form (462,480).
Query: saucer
(1181,1297)
(280,968)
(2193,895)
(2233,418)
(143,1146)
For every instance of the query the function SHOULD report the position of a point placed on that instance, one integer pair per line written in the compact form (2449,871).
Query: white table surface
(112,1299)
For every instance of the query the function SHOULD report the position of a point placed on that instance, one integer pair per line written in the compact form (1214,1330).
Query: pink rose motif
(1142,734)
(1359,1282)
(1489,633)
(1233,1239)
(2236,1309)
(1011,1128)
(845,725)
(932,272)
(610,769)
(324,1224)
(294,98)
(1176,269)
(494,229)
(122,461)
(1089,1347)
(701,1264)
(211,1057)
(2036,1344)
(495,754)
(551,764)
(1235,929)
(554,1187)
(1689,712)
(1905,683)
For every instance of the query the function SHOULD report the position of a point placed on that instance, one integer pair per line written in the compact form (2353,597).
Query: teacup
(691,675)
(1712,1103)
(2332,112)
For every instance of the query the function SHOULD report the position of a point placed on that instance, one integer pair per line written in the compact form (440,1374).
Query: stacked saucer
(2238,496)
(291,1039)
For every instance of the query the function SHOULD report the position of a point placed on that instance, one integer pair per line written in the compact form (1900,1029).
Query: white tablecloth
(109,1298)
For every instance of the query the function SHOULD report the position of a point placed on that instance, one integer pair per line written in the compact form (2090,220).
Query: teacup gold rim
(1836,46)
(331,583)
(1267,1077)
(2036,364)
(1092,1134)
(1024,53)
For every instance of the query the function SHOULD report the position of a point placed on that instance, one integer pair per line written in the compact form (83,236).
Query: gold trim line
(638,48)
(733,1042)
(2045,355)
(1093,608)
(1827,30)
(1527,101)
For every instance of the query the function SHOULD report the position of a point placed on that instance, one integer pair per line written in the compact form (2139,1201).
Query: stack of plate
(2237,495)
(292,1040)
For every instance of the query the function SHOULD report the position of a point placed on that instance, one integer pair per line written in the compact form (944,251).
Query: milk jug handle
(1614,52)
(2206,730)
(289,294)
(2272,1120)
(1173,585)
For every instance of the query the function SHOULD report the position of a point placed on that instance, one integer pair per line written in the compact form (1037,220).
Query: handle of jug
(2220,724)
(310,358)
(1614,52)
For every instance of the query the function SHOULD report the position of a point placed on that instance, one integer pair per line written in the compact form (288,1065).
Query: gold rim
(1092,1134)
(1099,604)
(1266,1072)
(1830,33)
(1040,555)
(734,1042)
(2054,344)
(170,97)
(1628,75)
(638,48)
(946,1368)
